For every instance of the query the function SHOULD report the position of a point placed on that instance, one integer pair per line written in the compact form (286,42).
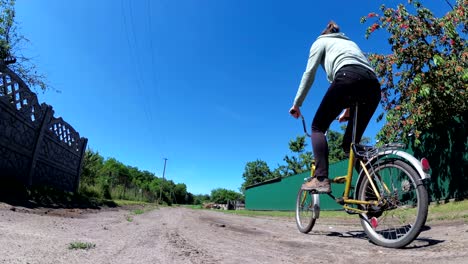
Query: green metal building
(449,179)
(280,193)
(446,148)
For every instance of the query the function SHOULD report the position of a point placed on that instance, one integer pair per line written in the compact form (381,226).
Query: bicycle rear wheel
(398,220)
(307,210)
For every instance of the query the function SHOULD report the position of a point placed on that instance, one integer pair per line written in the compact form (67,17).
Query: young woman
(352,79)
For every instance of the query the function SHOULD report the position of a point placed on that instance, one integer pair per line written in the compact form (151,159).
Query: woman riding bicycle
(352,80)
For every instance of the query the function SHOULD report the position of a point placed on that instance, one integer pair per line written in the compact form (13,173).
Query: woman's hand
(295,111)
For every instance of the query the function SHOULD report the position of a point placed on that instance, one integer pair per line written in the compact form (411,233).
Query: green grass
(138,211)
(128,202)
(449,211)
(81,245)
(437,212)
(193,206)
(142,208)
(286,214)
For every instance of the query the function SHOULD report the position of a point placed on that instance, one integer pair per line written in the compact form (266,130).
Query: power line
(130,28)
(154,76)
(134,56)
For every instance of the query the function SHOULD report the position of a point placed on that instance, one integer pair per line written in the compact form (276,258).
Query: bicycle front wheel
(307,210)
(398,219)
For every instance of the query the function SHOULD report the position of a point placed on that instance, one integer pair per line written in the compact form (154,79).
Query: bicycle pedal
(341,179)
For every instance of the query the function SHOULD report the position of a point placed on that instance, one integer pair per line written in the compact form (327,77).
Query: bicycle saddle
(363,151)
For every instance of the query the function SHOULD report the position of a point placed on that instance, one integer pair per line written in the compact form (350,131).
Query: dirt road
(180,235)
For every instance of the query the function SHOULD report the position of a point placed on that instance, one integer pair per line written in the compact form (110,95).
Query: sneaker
(317,185)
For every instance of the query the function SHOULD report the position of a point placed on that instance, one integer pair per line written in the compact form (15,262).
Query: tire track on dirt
(178,242)
(184,248)
(180,235)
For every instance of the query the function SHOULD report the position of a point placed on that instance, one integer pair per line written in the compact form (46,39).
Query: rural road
(181,235)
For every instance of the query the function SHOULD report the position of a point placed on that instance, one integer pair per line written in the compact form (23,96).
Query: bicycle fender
(316,206)
(407,157)
(402,155)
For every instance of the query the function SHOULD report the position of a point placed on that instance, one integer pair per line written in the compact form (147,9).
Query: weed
(138,211)
(81,245)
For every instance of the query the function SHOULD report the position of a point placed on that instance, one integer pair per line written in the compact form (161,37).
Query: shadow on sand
(420,242)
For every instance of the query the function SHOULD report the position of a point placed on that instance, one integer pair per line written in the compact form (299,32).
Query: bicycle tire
(400,219)
(307,210)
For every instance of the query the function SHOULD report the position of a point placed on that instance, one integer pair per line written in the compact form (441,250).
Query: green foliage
(298,145)
(280,171)
(335,149)
(335,141)
(111,179)
(424,79)
(302,160)
(222,196)
(201,199)
(91,191)
(255,172)
(11,42)
(7,18)
(92,163)
(138,211)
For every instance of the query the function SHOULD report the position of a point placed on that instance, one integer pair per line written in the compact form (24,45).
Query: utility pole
(164,173)
(160,187)
(164,170)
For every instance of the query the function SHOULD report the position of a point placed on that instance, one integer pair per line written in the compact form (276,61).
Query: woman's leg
(328,110)
(348,84)
(369,94)
(333,102)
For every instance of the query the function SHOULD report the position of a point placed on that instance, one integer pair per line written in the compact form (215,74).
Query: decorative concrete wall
(35,147)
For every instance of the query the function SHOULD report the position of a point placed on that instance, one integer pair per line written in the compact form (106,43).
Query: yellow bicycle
(390,196)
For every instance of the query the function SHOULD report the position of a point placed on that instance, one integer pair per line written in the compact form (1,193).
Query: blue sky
(206,84)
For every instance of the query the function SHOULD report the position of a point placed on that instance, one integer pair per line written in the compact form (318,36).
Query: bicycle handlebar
(293,112)
(305,127)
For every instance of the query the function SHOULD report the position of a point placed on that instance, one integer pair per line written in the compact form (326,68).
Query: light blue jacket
(332,51)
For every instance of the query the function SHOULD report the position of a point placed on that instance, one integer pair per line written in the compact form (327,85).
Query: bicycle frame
(347,179)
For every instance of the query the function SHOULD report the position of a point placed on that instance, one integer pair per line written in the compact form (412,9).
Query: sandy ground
(180,235)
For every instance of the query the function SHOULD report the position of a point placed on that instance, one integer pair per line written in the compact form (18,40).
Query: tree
(180,193)
(222,196)
(280,171)
(114,179)
(201,198)
(92,164)
(11,42)
(258,171)
(255,172)
(335,149)
(424,78)
(302,161)
(335,141)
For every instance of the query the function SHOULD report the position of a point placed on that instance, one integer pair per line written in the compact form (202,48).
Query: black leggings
(352,83)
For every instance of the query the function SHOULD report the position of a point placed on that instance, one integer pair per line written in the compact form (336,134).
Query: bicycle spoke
(402,208)
(306,213)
